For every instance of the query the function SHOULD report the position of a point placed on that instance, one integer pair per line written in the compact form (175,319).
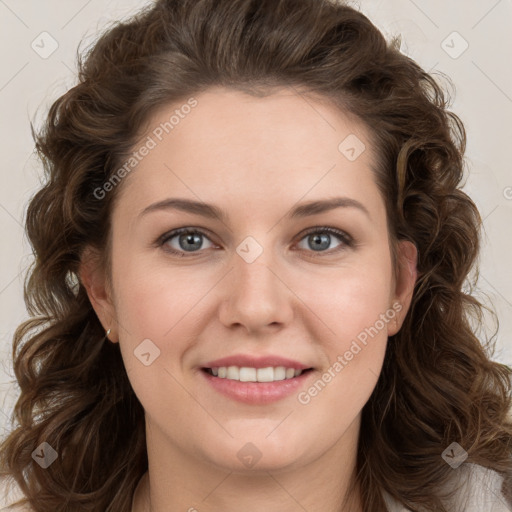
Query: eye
(187,240)
(319,239)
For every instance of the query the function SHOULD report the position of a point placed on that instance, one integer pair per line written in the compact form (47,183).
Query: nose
(256,297)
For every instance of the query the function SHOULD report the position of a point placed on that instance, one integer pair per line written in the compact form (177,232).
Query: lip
(256,393)
(256,362)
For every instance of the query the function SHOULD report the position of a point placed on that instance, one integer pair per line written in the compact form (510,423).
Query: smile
(249,374)
(274,386)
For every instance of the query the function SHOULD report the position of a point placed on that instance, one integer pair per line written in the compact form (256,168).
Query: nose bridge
(252,274)
(256,296)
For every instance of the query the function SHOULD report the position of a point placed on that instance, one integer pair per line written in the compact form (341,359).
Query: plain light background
(470,41)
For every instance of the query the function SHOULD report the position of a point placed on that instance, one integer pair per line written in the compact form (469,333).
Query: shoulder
(10,493)
(480,488)
(476,489)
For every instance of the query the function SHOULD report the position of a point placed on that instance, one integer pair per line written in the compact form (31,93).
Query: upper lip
(256,362)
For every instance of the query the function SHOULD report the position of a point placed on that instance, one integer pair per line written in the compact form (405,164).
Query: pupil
(189,239)
(318,241)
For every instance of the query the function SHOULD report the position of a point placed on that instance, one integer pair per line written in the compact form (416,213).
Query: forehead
(231,144)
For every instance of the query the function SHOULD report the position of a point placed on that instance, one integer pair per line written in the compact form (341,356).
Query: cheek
(354,310)
(165,306)
(152,300)
(352,299)
(158,306)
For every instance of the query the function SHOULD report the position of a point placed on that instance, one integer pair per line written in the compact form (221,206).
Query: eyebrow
(214,212)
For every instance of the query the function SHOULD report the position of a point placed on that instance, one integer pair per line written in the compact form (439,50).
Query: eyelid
(343,235)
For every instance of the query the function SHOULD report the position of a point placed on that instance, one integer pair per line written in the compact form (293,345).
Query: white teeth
(233,373)
(248,374)
(279,373)
(265,374)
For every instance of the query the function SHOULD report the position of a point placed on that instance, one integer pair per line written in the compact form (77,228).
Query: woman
(247,292)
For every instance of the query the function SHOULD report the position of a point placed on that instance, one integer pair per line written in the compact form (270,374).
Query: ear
(93,276)
(405,278)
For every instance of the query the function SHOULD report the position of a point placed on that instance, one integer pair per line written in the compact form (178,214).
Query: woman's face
(265,280)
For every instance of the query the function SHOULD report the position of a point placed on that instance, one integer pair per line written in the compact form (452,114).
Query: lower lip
(257,393)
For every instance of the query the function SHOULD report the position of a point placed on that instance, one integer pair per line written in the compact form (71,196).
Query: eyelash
(347,240)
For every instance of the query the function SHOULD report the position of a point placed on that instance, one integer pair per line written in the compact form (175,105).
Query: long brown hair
(438,384)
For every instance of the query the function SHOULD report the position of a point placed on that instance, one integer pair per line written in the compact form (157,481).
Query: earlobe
(406,275)
(93,278)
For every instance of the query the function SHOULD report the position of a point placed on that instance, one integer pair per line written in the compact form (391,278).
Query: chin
(259,455)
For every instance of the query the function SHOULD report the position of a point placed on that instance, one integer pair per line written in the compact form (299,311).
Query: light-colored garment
(480,491)
(10,494)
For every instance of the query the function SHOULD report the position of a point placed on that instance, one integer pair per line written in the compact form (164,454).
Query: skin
(256,158)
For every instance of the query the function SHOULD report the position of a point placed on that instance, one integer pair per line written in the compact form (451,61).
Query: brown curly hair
(438,383)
